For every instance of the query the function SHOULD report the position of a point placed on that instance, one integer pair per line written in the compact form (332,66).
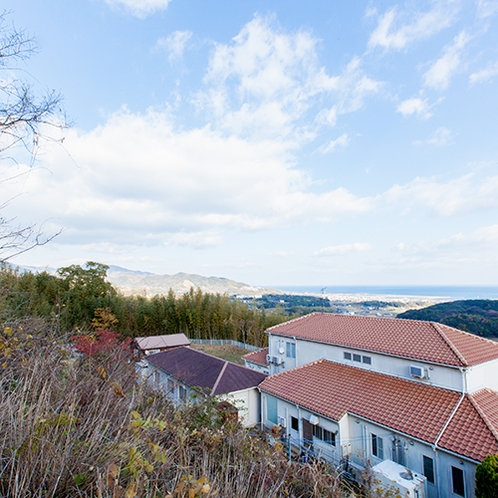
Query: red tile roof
(211,374)
(418,410)
(425,341)
(258,357)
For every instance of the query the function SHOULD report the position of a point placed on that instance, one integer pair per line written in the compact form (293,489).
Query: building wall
(354,438)
(483,375)
(257,366)
(248,404)
(308,351)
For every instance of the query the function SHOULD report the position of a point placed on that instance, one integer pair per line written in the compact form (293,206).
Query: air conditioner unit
(281,421)
(417,372)
(268,358)
(391,475)
(346,449)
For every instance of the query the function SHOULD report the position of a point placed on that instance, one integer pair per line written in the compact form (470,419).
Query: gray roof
(162,341)
(210,374)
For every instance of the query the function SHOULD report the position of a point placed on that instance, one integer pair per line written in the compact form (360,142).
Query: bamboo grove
(79,298)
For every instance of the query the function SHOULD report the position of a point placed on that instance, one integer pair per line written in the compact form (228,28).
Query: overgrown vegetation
(79,297)
(81,425)
(478,316)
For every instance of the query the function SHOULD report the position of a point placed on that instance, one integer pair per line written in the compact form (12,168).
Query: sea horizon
(436,292)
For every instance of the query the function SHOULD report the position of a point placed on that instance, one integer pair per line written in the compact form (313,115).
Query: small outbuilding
(157,343)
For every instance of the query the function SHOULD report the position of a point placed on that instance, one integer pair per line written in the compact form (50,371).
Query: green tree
(487,478)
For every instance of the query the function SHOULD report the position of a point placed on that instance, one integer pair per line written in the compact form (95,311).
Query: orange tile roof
(258,357)
(418,410)
(425,341)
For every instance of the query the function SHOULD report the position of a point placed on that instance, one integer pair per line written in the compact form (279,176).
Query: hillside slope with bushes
(477,316)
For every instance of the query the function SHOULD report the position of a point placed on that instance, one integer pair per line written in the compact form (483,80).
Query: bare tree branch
(23,115)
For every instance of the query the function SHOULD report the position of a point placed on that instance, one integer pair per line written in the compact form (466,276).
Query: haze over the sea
(434,292)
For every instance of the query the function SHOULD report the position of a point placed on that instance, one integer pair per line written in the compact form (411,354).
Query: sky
(271,142)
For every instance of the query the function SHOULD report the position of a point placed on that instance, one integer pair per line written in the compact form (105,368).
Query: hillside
(150,284)
(478,316)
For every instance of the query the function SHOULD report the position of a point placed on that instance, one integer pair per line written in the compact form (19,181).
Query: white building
(360,390)
(184,372)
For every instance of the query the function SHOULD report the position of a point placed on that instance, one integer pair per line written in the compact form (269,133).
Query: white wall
(356,434)
(257,366)
(307,352)
(248,404)
(483,375)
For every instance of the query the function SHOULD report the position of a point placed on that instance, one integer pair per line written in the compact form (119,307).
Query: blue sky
(272,142)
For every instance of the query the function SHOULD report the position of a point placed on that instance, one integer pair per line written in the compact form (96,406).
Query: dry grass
(84,427)
(225,352)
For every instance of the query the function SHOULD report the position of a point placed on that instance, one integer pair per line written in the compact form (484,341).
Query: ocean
(435,292)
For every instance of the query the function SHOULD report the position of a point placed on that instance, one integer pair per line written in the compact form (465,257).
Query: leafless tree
(23,116)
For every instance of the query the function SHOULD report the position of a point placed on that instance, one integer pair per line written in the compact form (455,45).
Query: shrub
(487,477)
(72,427)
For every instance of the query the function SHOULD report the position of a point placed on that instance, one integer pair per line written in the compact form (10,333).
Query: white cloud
(175,44)
(487,8)
(461,195)
(139,180)
(268,82)
(397,30)
(485,74)
(441,71)
(342,141)
(415,105)
(139,8)
(197,240)
(344,249)
(442,136)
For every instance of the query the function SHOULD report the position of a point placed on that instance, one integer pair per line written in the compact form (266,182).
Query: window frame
(294,424)
(457,485)
(290,350)
(377,446)
(428,466)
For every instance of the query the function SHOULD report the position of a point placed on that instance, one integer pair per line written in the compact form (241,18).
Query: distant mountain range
(150,284)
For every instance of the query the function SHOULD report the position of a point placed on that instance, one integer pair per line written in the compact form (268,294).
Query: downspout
(295,342)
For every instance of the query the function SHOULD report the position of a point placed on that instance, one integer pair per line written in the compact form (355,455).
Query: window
(367,360)
(377,446)
(347,356)
(182,393)
(171,386)
(324,435)
(291,349)
(317,432)
(271,409)
(294,424)
(329,437)
(458,482)
(357,357)
(429,469)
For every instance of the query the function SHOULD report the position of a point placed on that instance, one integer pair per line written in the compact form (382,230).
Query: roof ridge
(469,334)
(450,418)
(300,367)
(457,353)
(481,413)
(293,320)
(220,375)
